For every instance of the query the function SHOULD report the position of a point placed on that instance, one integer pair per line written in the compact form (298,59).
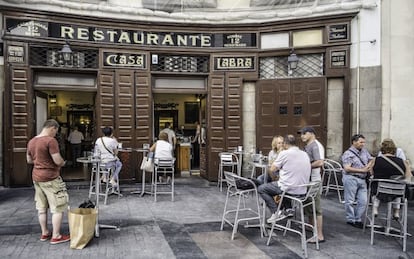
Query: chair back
(228,158)
(332,165)
(231,179)
(391,187)
(160,162)
(313,189)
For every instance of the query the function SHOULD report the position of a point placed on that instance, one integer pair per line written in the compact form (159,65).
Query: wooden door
(225,118)
(286,105)
(18,118)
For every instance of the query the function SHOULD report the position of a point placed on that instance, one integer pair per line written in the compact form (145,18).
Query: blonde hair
(274,142)
(388,146)
(163,136)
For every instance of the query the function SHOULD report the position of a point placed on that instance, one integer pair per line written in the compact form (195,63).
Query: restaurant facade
(244,83)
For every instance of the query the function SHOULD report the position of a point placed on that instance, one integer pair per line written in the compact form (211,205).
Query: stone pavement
(189,227)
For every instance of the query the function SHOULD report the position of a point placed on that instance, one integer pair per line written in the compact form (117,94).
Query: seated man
(107,146)
(294,169)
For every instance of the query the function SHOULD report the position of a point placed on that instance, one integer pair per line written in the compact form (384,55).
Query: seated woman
(162,149)
(277,146)
(107,147)
(384,169)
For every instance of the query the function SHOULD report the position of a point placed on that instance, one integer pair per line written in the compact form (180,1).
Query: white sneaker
(160,179)
(168,179)
(279,215)
(289,213)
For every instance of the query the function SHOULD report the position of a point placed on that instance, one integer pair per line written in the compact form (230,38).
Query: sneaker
(279,215)
(45,237)
(113,182)
(289,213)
(160,179)
(61,239)
(168,179)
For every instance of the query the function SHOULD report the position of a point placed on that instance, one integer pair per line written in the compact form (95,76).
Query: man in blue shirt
(357,163)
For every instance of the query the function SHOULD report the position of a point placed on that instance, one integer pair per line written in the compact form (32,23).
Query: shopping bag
(82,223)
(144,160)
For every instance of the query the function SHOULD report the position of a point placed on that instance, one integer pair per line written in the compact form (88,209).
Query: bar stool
(299,202)
(240,213)
(104,189)
(396,228)
(227,161)
(163,167)
(332,168)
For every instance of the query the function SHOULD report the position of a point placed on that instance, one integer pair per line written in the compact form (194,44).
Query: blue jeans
(267,191)
(354,188)
(117,165)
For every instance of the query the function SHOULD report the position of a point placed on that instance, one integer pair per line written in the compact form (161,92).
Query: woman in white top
(162,149)
(277,146)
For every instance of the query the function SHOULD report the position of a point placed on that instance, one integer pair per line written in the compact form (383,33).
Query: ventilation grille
(193,64)
(51,57)
(310,65)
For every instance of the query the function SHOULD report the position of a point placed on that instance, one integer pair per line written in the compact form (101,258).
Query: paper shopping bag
(82,223)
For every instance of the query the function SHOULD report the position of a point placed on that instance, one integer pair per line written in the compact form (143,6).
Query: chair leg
(225,210)
(337,187)
(404,217)
(236,219)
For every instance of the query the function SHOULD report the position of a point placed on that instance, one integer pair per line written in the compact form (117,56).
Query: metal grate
(194,64)
(51,57)
(310,65)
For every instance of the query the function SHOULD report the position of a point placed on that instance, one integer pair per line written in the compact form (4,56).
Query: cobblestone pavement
(189,227)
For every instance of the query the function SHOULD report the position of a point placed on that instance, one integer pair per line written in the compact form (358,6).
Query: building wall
(397,27)
(2,74)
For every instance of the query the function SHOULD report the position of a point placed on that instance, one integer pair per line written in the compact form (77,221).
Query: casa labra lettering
(124,60)
(234,63)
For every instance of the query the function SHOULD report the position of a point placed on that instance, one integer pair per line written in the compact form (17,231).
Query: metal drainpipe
(357,75)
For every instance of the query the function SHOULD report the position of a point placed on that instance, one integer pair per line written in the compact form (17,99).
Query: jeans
(267,191)
(117,165)
(354,188)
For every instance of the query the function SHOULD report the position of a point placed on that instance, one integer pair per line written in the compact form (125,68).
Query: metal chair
(396,228)
(249,213)
(105,189)
(227,161)
(332,168)
(163,167)
(299,202)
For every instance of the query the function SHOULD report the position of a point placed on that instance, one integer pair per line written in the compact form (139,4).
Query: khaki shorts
(52,194)
(308,210)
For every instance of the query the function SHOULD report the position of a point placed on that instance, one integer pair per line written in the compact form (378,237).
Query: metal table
(97,163)
(144,152)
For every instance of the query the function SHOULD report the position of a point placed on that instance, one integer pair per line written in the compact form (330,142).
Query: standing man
(294,169)
(75,138)
(171,134)
(316,154)
(50,190)
(357,163)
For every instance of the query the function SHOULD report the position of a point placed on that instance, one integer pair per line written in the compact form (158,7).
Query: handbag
(149,165)
(82,223)
(246,185)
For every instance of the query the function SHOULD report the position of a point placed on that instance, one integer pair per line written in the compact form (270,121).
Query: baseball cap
(306,129)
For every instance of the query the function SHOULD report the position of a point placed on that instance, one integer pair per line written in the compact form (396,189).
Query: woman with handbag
(107,146)
(162,149)
(385,166)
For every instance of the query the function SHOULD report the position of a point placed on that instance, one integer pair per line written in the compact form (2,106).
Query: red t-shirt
(41,150)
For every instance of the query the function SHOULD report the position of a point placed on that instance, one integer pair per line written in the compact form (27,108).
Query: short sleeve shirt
(356,159)
(41,149)
(315,152)
(108,153)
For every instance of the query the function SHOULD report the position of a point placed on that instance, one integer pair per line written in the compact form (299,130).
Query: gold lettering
(122,60)
(124,37)
(138,38)
(83,34)
(168,40)
(205,41)
(131,60)
(152,39)
(194,39)
(98,35)
(140,60)
(248,63)
(111,60)
(240,62)
(181,40)
(112,35)
(232,62)
(66,32)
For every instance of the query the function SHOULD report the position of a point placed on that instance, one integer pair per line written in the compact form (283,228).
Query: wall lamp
(53,99)
(66,54)
(293,61)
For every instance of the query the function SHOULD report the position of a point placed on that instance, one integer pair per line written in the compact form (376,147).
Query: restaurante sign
(136,37)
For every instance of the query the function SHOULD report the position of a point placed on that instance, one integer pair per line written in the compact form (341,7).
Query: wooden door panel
(21,128)
(233,113)
(105,100)
(143,109)
(125,107)
(286,105)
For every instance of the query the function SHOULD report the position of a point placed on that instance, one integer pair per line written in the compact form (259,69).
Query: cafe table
(97,163)
(142,192)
